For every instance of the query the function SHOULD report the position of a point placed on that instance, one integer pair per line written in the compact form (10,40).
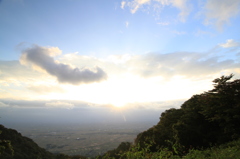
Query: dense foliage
(229,150)
(210,118)
(118,152)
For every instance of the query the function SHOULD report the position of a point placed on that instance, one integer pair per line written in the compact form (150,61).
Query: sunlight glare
(119,92)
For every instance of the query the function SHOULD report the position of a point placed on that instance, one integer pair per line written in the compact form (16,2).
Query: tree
(161,134)
(192,129)
(212,117)
(222,105)
(5,146)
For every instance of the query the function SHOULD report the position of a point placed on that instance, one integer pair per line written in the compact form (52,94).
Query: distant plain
(82,139)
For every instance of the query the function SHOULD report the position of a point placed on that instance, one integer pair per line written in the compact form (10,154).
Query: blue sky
(101,28)
(132,53)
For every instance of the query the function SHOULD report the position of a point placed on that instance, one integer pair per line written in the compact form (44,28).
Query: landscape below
(205,126)
(85,139)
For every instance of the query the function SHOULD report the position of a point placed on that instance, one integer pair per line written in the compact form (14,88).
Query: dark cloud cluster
(42,57)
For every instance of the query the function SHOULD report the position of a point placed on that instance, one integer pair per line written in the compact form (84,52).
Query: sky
(112,54)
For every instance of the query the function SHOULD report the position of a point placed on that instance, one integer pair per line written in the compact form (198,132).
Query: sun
(118,104)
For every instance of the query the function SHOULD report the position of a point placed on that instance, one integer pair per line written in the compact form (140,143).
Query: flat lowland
(82,139)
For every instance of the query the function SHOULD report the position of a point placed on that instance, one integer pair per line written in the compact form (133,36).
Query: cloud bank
(42,58)
(148,77)
(230,43)
(3,104)
(189,64)
(60,104)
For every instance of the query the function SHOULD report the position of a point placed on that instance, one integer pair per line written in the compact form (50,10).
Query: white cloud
(219,12)
(230,43)
(136,4)
(163,2)
(60,104)
(123,3)
(202,32)
(178,32)
(163,23)
(126,24)
(184,8)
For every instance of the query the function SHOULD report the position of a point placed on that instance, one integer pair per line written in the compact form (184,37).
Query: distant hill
(21,147)
(15,146)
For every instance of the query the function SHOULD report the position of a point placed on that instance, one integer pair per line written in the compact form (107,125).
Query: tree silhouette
(212,117)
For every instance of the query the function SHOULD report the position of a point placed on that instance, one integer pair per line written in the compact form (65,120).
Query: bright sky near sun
(115,52)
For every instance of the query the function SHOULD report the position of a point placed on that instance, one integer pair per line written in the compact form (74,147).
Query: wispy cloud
(188,64)
(184,8)
(67,104)
(230,43)
(178,32)
(126,24)
(136,4)
(219,12)
(181,5)
(42,57)
(60,104)
(123,3)
(202,33)
(163,23)
(45,89)
(215,12)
